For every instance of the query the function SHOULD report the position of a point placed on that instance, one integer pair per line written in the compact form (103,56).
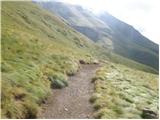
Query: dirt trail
(72,101)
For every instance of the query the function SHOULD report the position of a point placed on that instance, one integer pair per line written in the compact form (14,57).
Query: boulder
(81,61)
(95,62)
(149,114)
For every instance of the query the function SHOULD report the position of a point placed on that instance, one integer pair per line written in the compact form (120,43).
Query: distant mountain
(111,33)
(130,43)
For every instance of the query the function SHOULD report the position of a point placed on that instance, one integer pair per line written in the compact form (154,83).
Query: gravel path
(72,101)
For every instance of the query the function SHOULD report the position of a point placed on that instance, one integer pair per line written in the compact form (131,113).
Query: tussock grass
(39,51)
(122,92)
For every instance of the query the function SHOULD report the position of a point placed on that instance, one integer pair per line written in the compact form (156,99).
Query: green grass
(58,80)
(115,35)
(131,63)
(39,52)
(122,92)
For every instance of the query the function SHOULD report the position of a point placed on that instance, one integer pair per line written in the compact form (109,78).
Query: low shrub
(123,95)
(58,80)
(31,109)
(94,97)
(117,109)
(5,67)
(58,84)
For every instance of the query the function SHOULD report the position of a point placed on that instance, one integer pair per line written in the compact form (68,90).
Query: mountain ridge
(109,32)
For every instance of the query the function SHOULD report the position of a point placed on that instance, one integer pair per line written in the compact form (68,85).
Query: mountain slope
(121,92)
(109,32)
(126,38)
(39,50)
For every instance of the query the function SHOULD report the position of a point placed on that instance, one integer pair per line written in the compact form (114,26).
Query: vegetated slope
(38,52)
(121,92)
(109,32)
(126,38)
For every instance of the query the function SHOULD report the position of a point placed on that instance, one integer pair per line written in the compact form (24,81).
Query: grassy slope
(108,31)
(37,49)
(77,16)
(129,43)
(122,92)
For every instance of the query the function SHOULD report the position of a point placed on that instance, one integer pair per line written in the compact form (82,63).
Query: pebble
(65,109)
(88,116)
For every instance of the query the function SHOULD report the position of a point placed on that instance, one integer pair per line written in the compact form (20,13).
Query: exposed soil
(72,101)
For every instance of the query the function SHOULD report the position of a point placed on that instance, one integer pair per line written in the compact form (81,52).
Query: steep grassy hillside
(77,17)
(109,32)
(129,43)
(121,92)
(38,52)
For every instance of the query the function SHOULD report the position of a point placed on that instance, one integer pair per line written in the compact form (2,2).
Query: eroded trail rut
(72,101)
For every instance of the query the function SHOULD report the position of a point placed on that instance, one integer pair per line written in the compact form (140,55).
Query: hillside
(121,92)
(42,53)
(109,32)
(126,38)
(37,48)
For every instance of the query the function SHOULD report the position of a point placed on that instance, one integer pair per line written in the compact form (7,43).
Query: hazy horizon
(140,14)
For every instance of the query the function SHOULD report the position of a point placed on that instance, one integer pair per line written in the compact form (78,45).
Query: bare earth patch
(72,101)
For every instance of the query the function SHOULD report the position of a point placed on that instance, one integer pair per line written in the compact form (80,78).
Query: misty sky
(141,14)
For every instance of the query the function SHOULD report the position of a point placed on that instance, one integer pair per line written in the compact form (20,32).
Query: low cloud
(141,14)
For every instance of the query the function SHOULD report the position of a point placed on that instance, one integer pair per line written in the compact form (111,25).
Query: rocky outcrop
(149,114)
